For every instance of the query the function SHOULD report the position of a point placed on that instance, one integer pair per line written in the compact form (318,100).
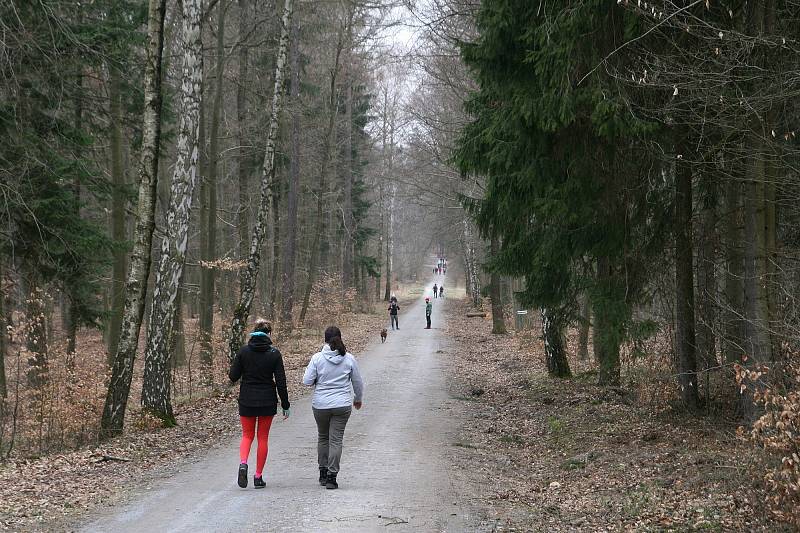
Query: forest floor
(42,494)
(567,455)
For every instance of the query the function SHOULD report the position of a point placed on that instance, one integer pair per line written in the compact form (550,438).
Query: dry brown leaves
(566,455)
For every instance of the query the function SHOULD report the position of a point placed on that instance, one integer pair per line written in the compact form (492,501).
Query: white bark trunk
(250,275)
(139,270)
(472,275)
(156,386)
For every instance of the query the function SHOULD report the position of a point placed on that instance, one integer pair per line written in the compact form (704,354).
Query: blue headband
(259,334)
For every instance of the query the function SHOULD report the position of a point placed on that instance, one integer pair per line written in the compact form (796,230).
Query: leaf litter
(567,455)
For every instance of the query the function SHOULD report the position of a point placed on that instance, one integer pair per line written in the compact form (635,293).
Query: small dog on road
(383,335)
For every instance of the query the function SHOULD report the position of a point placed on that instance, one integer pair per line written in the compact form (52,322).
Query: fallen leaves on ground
(567,455)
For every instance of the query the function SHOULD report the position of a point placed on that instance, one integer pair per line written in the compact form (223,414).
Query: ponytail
(337,344)
(333,338)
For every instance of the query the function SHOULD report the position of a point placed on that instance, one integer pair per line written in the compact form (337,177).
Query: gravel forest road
(395,467)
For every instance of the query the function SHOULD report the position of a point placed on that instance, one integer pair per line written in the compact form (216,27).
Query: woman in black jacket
(260,367)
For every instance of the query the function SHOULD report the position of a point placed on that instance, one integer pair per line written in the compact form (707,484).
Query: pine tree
(551,139)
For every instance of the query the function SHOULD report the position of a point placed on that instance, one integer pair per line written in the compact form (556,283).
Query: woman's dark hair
(333,338)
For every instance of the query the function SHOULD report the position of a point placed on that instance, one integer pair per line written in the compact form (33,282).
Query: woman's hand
(357,405)
(286,413)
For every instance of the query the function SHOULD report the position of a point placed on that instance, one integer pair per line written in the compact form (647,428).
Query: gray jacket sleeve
(358,381)
(310,375)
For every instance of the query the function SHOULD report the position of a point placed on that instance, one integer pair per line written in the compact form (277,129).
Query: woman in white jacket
(337,385)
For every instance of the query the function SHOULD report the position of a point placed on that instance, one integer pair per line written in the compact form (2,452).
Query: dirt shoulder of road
(52,492)
(567,455)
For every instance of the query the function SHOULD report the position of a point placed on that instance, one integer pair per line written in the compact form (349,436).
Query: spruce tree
(552,137)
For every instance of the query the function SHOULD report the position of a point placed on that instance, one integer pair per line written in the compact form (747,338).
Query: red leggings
(249,433)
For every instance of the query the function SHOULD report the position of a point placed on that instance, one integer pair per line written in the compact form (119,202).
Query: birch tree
(498,321)
(136,285)
(249,275)
(156,385)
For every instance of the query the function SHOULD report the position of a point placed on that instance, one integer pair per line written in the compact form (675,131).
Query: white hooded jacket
(336,379)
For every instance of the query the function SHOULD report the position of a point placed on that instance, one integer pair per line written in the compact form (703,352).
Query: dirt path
(395,468)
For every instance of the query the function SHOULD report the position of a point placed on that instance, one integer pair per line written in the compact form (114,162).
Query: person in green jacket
(428,311)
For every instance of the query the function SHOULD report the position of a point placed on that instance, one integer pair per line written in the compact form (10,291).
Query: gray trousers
(330,431)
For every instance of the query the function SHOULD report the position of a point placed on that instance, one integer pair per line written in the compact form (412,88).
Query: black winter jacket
(260,367)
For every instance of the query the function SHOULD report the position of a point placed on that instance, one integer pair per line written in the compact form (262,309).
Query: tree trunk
(177,341)
(471,266)
(707,282)
(241,119)
(319,220)
(275,250)
(733,341)
(347,216)
(249,275)
(608,323)
(553,337)
(389,242)
(583,328)
(756,300)
(136,285)
(118,206)
(290,250)
(73,296)
(156,382)
(498,320)
(209,199)
(3,335)
(684,286)
(771,273)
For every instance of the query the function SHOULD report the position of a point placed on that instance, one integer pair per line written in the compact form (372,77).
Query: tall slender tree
(209,201)
(136,285)
(156,383)
(118,218)
(292,199)
(249,275)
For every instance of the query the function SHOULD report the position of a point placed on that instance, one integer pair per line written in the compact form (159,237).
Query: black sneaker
(323,475)
(330,483)
(258,483)
(243,475)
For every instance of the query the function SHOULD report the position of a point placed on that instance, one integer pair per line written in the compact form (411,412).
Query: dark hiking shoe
(258,483)
(243,475)
(330,483)
(323,475)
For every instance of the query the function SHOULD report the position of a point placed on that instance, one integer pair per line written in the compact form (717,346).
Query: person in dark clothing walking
(393,309)
(441,291)
(259,365)
(435,290)
(428,311)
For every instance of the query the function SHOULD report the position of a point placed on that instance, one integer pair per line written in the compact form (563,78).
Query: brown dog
(383,335)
